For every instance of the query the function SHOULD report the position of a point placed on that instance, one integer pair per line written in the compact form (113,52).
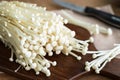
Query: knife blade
(101,15)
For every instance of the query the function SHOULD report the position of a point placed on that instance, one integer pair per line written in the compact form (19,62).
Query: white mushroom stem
(18,68)
(92,28)
(102,58)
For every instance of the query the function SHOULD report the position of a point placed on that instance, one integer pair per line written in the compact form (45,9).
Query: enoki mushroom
(92,28)
(32,33)
(101,58)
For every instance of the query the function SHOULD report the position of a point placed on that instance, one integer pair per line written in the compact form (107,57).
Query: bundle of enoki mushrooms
(32,33)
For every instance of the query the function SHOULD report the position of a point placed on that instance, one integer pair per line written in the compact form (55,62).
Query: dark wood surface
(68,67)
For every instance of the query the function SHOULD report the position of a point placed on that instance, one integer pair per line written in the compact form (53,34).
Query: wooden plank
(67,68)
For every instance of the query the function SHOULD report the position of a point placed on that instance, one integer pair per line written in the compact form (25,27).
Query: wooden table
(51,6)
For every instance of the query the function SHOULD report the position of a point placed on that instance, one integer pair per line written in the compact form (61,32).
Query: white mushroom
(101,58)
(92,28)
(32,33)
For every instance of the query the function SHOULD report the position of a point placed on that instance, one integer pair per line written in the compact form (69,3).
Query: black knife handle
(104,16)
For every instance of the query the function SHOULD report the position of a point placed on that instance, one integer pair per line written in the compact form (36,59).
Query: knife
(101,15)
